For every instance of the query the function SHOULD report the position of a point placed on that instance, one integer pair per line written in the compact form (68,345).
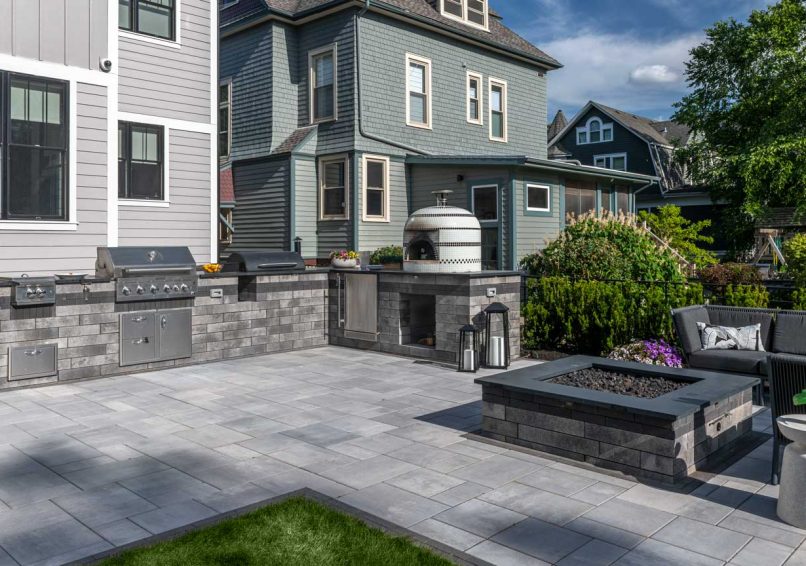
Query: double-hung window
(617,161)
(34,137)
(333,187)
(376,188)
(324,84)
(418,87)
(498,110)
(224,119)
(475,101)
(140,161)
(156,18)
(471,12)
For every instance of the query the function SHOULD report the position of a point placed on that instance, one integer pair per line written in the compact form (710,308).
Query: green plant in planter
(800,398)
(386,255)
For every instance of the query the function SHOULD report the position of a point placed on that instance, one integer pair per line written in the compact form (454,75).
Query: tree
(683,235)
(747,111)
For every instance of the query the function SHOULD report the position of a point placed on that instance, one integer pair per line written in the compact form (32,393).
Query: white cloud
(653,74)
(629,73)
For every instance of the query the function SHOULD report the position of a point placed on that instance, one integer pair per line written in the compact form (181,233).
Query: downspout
(635,192)
(356,50)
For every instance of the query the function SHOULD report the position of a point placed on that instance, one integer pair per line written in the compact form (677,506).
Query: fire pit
(647,421)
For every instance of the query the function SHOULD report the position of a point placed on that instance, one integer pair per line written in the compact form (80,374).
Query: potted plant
(390,257)
(800,399)
(344,259)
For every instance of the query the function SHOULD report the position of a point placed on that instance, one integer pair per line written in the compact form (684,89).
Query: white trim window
(418,91)
(35,139)
(153,18)
(334,187)
(474,13)
(324,84)
(595,131)
(617,161)
(497,102)
(376,188)
(224,119)
(475,98)
(141,163)
(538,197)
(485,203)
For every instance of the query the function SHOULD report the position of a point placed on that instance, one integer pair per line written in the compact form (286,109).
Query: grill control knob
(29,293)
(166,288)
(39,292)
(184,288)
(140,290)
(176,288)
(126,291)
(153,289)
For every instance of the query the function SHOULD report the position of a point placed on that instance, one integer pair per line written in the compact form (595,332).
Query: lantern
(496,343)
(468,349)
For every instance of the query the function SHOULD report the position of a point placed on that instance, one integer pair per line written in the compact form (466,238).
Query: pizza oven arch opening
(421,248)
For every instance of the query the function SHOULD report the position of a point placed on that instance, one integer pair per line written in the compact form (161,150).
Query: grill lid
(136,261)
(263,260)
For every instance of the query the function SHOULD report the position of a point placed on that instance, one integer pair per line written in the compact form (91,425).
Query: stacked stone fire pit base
(663,438)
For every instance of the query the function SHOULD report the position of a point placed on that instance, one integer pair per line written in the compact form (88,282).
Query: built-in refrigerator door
(361,306)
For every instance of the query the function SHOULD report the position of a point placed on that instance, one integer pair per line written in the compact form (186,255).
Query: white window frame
(228,84)
(313,54)
(341,158)
(464,19)
(225,214)
(548,200)
(165,124)
(387,189)
(411,58)
(603,126)
(497,202)
(479,93)
(173,44)
(505,104)
(608,158)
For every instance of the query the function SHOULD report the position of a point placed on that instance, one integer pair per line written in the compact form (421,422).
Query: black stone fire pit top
(700,388)
(632,384)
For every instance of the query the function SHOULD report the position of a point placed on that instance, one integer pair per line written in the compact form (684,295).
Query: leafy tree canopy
(681,234)
(747,110)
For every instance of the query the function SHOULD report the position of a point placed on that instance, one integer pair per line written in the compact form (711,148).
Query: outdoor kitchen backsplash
(286,312)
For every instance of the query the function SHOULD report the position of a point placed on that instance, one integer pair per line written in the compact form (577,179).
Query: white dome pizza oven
(442,239)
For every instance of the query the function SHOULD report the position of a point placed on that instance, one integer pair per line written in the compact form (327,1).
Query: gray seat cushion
(790,334)
(736,318)
(735,361)
(686,322)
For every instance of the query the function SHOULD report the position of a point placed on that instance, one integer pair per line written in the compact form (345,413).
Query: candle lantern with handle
(468,349)
(496,343)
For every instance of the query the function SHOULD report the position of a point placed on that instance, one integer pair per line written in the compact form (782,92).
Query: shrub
(795,254)
(387,254)
(605,248)
(652,352)
(683,235)
(799,299)
(730,274)
(751,296)
(592,317)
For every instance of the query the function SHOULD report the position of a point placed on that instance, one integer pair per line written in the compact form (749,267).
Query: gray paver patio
(88,466)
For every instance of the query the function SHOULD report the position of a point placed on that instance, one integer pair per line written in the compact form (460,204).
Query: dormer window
(472,12)
(594,131)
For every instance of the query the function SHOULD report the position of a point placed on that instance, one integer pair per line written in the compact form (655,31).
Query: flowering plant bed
(652,352)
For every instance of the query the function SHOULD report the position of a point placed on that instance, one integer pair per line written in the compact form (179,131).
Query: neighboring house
(606,137)
(226,206)
(347,115)
(107,130)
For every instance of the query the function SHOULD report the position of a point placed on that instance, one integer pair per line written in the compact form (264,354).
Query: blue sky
(629,54)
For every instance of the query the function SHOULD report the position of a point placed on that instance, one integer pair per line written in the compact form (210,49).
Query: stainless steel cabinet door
(175,334)
(138,338)
(361,306)
(26,362)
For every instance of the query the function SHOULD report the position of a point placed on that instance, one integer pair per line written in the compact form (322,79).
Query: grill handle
(35,352)
(276,265)
(157,270)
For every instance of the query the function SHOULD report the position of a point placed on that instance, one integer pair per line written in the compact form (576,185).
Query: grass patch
(296,532)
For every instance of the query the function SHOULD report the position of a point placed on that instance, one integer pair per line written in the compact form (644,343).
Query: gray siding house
(346,115)
(107,129)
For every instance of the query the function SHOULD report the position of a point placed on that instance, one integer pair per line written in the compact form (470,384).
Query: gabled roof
(226,187)
(557,125)
(425,11)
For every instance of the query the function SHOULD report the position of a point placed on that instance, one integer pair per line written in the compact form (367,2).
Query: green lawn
(295,532)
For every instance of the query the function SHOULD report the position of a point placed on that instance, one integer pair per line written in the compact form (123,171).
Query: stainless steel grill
(263,261)
(148,274)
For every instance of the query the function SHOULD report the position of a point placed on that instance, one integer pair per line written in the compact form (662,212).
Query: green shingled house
(341,117)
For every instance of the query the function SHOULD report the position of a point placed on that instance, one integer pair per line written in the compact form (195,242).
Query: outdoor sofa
(782,364)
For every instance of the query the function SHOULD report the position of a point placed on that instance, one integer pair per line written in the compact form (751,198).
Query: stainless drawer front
(26,362)
(138,339)
(175,330)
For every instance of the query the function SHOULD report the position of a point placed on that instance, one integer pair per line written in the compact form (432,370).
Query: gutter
(359,100)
